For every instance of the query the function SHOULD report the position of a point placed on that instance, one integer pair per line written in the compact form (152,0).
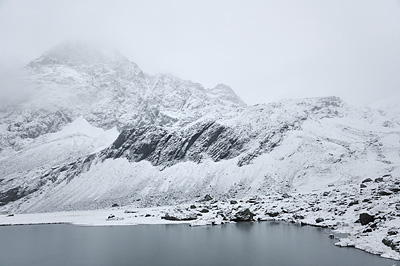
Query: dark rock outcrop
(206,198)
(367,180)
(366,218)
(272,214)
(242,216)
(162,147)
(298,217)
(14,194)
(175,218)
(392,243)
(384,193)
(354,202)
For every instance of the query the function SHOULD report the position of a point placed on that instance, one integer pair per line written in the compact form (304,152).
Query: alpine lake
(242,244)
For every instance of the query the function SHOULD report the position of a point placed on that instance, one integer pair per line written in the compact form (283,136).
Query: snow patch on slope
(100,138)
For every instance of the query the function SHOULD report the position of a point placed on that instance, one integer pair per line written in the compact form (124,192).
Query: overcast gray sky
(265,50)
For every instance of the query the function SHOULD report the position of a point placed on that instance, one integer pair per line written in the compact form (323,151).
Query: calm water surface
(242,244)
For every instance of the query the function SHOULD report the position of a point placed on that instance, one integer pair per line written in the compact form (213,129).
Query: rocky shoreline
(365,216)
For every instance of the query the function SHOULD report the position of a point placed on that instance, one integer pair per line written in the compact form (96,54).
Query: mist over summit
(74,79)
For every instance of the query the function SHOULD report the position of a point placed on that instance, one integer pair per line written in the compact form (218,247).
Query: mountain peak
(79,53)
(226,93)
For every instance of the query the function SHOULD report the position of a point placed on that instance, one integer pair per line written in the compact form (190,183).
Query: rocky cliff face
(282,146)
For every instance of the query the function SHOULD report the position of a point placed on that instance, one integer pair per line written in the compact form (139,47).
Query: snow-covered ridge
(281,146)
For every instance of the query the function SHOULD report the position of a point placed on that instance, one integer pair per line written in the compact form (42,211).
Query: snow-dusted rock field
(96,131)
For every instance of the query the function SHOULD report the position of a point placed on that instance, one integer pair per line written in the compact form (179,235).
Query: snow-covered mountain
(74,86)
(96,131)
(282,147)
(107,90)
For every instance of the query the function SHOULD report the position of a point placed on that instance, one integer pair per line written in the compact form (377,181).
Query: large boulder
(367,180)
(272,214)
(245,215)
(206,198)
(188,217)
(392,243)
(366,218)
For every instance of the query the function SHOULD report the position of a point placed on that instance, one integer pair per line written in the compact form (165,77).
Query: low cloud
(264,50)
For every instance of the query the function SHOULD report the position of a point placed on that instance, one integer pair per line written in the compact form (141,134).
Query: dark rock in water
(367,180)
(206,198)
(387,175)
(204,211)
(111,216)
(384,193)
(354,202)
(10,215)
(115,205)
(367,200)
(245,215)
(319,220)
(234,202)
(272,214)
(363,186)
(147,215)
(331,236)
(365,218)
(379,179)
(193,206)
(285,195)
(326,193)
(173,218)
(393,232)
